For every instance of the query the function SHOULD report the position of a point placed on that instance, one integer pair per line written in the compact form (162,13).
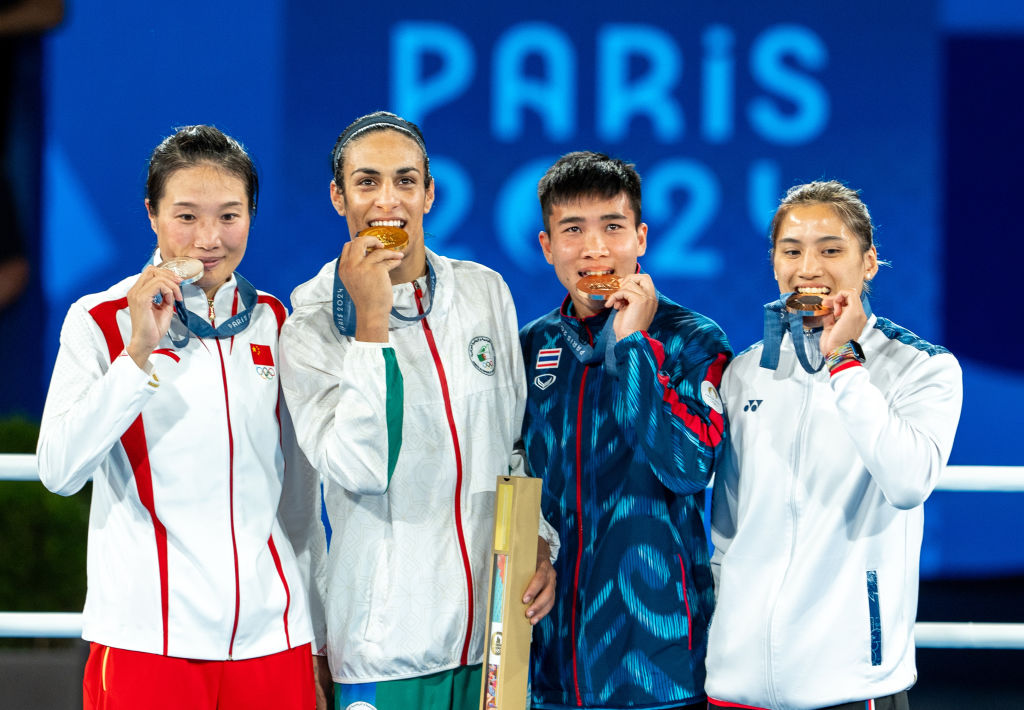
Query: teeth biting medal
(394,238)
(598,286)
(807,304)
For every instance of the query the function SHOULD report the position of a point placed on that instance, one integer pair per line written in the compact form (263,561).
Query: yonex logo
(752,405)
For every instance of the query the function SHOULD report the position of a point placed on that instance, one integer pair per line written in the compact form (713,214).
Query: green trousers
(457,689)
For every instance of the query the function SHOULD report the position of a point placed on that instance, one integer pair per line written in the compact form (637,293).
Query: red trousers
(116,679)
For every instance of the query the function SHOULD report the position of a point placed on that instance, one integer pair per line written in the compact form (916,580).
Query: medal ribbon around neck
(229,328)
(232,326)
(603,349)
(777,320)
(345,310)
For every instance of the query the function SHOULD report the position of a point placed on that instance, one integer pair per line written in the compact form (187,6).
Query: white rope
(22,467)
(928,634)
(982,478)
(40,624)
(950,634)
(18,467)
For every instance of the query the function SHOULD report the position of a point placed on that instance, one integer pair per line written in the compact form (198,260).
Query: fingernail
(529,614)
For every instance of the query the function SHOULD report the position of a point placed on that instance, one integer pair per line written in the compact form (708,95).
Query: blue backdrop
(721,109)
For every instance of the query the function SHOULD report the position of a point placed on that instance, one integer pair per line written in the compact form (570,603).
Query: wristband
(846,355)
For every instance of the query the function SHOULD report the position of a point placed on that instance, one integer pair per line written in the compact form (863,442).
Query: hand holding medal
(364,268)
(151,303)
(846,321)
(187,269)
(634,297)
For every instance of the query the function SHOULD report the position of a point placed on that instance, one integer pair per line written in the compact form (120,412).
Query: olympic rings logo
(267,373)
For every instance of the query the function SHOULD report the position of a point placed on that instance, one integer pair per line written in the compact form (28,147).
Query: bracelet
(846,355)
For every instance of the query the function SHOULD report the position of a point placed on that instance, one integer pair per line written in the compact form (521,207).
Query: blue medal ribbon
(232,326)
(603,349)
(197,325)
(777,320)
(345,310)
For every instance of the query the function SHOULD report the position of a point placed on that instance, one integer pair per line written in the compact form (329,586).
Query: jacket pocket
(686,604)
(380,591)
(874,618)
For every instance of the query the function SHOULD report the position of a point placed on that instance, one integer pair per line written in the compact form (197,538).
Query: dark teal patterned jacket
(626,447)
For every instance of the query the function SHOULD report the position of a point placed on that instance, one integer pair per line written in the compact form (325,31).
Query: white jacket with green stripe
(409,437)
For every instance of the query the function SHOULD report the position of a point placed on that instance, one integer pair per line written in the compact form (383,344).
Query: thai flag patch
(548,358)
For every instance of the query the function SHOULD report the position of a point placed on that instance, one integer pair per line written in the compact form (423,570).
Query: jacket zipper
(458,473)
(579,532)
(579,523)
(797,445)
(231,488)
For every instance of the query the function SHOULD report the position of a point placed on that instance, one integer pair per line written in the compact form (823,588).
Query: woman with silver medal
(165,394)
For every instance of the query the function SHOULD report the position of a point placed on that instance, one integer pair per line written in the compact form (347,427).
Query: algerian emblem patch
(481,354)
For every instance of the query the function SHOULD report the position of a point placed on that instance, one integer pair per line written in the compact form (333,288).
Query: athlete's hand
(540,592)
(365,275)
(324,683)
(636,302)
(150,321)
(845,323)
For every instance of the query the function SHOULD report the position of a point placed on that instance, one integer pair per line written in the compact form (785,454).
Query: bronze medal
(807,304)
(394,238)
(598,286)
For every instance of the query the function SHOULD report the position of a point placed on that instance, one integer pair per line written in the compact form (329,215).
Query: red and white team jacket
(200,535)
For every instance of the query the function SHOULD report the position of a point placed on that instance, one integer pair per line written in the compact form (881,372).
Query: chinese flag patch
(261,355)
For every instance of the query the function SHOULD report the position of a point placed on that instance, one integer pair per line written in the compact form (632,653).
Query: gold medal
(598,286)
(394,238)
(807,304)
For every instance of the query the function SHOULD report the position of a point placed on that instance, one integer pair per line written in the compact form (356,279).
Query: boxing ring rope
(18,467)
(928,634)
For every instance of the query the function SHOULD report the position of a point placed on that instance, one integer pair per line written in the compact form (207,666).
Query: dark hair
(587,174)
(844,201)
(376,121)
(191,146)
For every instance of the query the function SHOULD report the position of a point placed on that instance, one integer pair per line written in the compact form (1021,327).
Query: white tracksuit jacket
(817,521)
(407,579)
(198,541)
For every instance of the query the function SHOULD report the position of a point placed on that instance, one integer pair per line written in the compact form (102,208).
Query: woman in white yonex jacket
(840,425)
(166,395)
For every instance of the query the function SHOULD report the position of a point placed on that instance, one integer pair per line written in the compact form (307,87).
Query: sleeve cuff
(146,374)
(843,366)
(550,536)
